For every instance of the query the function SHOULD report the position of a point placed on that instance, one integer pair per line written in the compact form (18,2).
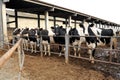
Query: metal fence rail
(67,46)
(9,53)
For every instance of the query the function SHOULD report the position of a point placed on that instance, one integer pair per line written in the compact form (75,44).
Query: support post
(3,24)
(66,22)
(75,23)
(111,43)
(99,25)
(69,22)
(66,48)
(16,19)
(54,21)
(41,46)
(38,20)
(21,57)
(46,19)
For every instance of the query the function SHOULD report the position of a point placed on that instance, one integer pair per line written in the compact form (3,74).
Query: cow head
(58,30)
(16,31)
(24,31)
(86,27)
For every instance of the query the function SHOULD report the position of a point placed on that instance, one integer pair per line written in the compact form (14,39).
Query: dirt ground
(50,68)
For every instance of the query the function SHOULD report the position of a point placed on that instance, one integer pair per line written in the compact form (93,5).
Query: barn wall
(31,21)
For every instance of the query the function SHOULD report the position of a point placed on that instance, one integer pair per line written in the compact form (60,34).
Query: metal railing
(67,46)
(10,52)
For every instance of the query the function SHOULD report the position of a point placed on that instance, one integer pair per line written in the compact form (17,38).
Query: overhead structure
(40,7)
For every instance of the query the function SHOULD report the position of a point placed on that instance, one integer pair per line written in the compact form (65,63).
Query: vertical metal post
(21,57)
(16,19)
(46,19)
(66,22)
(3,24)
(69,21)
(75,23)
(99,25)
(41,46)
(66,48)
(38,20)
(111,44)
(54,21)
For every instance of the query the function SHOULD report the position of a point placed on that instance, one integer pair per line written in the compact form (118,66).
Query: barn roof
(39,7)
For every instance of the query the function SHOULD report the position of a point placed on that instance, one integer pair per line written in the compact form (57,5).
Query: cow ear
(61,26)
(52,27)
(41,29)
(91,25)
(81,25)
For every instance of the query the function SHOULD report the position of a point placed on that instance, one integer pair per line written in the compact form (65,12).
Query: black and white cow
(32,36)
(92,42)
(24,35)
(59,37)
(76,38)
(52,35)
(16,34)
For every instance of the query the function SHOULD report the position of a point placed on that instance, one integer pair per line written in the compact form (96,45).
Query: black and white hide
(24,36)
(92,42)
(52,35)
(16,35)
(59,37)
(76,38)
(32,39)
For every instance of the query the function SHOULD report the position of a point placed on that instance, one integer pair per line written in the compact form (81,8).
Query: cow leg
(49,49)
(60,48)
(79,52)
(75,50)
(27,45)
(114,46)
(93,54)
(91,51)
(79,49)
(31,45)
(35,47)
(45,48)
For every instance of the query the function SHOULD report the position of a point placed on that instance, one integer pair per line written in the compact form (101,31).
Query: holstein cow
(76,38)
(59,37)
(32,35)
(24,35)
(16,34)
(92,42)
(52,35)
